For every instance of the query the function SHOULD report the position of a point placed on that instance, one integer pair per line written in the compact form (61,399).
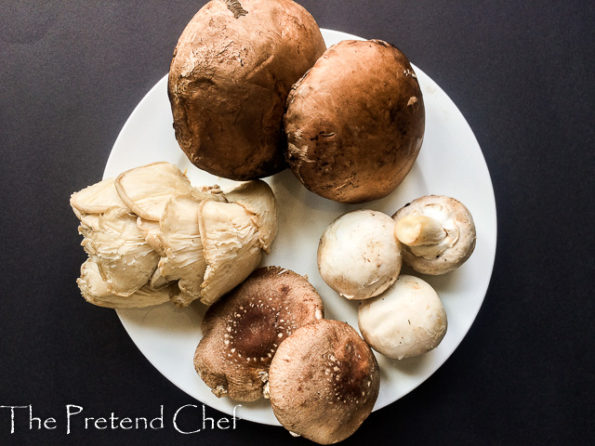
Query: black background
(522,73)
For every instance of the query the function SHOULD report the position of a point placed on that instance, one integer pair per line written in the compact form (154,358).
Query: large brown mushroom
(232,69)
(242,331)
(355,122)
(323,381)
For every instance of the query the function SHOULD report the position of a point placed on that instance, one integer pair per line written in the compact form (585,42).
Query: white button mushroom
(408,320)
(437,234)
(359,256)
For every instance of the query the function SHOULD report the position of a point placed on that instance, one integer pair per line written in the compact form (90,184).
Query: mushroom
(147,189)
(258,199)
(407,320)
(118,247)
(231,247)
(437,234)
(234,236)
(323,381)
(182,257)
(96,199)
(230,74)
(98,292)
(150,228)
(358,254)
(355,122)
(241,332)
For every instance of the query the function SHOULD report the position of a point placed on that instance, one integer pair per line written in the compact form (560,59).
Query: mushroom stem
(419,230)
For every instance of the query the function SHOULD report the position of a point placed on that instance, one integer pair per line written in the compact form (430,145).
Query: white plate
(450,163)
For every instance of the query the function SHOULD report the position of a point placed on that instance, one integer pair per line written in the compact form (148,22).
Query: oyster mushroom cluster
(152,237)
(360,256)
(268,338)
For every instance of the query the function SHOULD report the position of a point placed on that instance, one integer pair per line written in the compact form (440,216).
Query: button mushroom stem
(419,230)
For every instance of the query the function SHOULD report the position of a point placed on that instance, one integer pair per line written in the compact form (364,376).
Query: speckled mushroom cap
(323,381)
(242,331)
(444,234)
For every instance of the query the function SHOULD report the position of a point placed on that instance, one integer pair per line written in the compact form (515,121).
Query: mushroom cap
(229,79)
(97,291)
(454,249)
(242,331)
(355,122)
(358,255)
(182,258)
(407,320)
(323,381)
(231,247)
(147,189)
(119,249)
(258,199)
(96,199)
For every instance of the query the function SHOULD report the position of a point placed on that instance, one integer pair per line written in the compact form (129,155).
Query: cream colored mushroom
(234,236)
(97,291)
(150,228)
(147,189)
(231,247)
(258,199)
(437,234)
(118,247)
(182,257)
(96,199)
(358,255)
(407,320)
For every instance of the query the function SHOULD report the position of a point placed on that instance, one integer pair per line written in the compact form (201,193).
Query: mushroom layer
(437,234)
(323,381)
(231,71)
(358,255)
(355,122)
(242,332)
(408,320)
(97,291)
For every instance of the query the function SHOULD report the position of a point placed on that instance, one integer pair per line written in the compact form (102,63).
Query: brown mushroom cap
(452,248)
(355,122)
(242,331)
(229,80)
(323,381)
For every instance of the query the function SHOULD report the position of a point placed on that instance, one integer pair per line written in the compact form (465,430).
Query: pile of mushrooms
(267,338)
(152,237)
(360,256)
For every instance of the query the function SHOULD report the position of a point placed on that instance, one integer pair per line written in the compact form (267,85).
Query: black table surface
(522,75)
